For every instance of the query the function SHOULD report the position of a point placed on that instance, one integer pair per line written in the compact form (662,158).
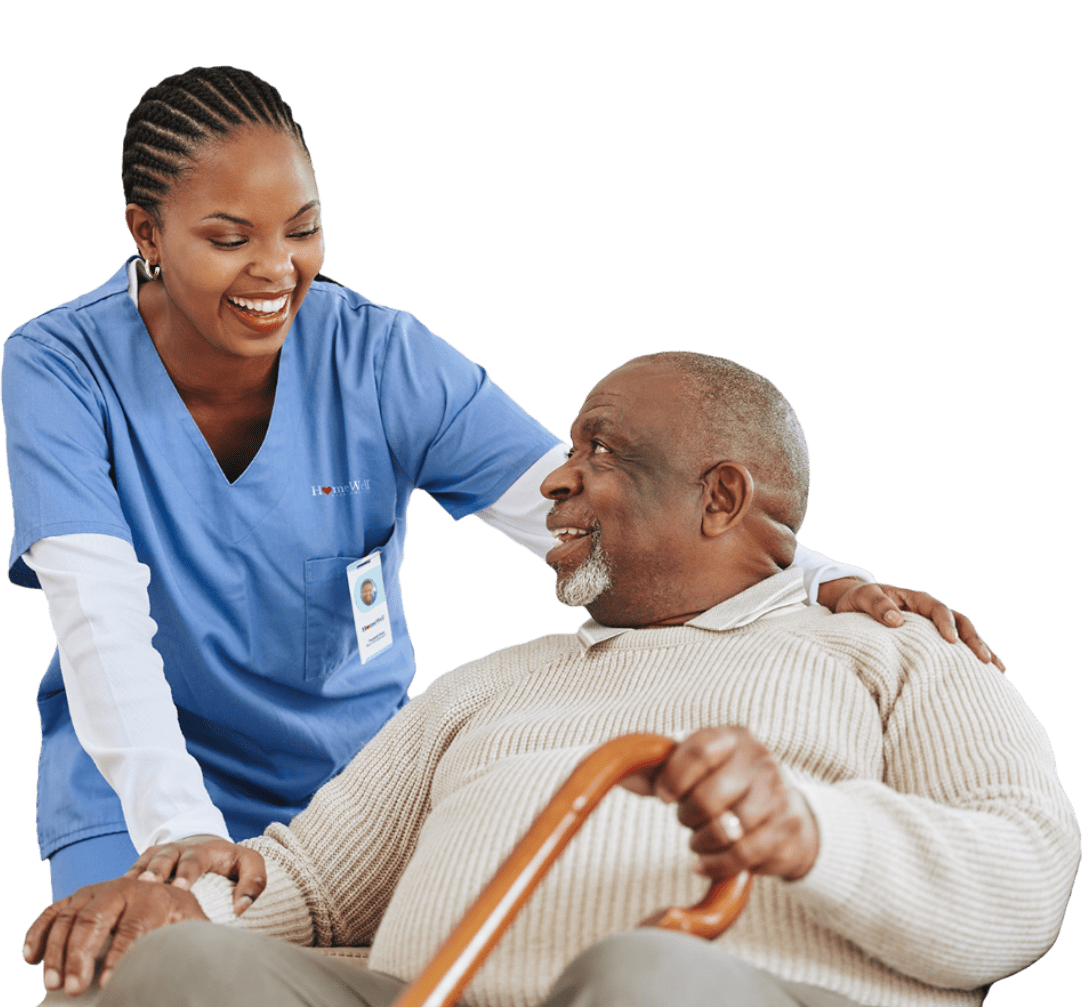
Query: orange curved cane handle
(461,955)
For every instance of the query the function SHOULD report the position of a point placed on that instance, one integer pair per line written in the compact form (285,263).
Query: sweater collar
(784,590)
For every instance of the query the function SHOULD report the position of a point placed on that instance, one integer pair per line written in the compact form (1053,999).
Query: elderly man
(896,798)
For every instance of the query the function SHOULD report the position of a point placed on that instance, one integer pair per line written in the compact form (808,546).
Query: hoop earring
(152,271)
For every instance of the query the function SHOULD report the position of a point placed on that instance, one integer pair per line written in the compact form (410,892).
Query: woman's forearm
(120,702)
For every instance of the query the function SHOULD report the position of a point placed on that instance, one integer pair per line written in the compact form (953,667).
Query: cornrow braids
(185,111)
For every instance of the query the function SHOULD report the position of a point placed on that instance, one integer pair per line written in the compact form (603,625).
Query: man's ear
(144,229)
(728,491)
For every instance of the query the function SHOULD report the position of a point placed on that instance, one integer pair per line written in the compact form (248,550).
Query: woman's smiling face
(239,242)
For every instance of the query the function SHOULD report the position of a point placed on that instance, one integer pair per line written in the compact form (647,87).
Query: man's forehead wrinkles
(597,422)
(594,416)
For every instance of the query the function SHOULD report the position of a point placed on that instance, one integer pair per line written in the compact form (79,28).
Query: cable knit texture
(947,850)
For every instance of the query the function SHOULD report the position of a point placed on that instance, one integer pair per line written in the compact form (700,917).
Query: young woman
(198,450)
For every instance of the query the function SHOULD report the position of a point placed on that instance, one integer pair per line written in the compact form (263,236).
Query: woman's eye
(305,234)
(228,244)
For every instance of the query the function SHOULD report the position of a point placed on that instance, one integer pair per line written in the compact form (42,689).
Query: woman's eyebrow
(304,209)
(247,223)
(229,217)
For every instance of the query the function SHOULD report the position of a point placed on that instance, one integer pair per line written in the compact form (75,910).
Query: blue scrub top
(248,583)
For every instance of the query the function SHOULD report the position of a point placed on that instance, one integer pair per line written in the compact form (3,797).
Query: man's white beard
(590,580)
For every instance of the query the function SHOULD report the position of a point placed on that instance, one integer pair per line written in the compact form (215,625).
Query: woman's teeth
(260,307)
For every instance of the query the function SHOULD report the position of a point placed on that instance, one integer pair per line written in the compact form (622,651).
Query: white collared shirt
(784,592)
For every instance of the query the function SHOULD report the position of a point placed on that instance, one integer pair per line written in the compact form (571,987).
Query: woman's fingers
(885,602)
(251,879)
(189,866)
(182,860)
(140,865)
(972,639)
(157,864)
(922,603)
(874,600)
(218,856)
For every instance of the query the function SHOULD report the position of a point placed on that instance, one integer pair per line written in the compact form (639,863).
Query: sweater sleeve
(273,913)
(956,868)
(340,859)
(121,705)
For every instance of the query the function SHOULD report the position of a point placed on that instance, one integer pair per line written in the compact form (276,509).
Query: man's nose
(562,482)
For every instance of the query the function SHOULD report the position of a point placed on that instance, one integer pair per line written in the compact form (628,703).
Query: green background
(874,204)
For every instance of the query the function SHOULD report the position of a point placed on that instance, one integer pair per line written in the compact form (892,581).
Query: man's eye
(569,453)
(599,448)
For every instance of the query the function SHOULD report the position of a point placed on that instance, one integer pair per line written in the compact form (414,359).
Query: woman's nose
(274,261)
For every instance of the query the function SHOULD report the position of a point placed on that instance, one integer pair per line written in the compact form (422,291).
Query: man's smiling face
(629,495)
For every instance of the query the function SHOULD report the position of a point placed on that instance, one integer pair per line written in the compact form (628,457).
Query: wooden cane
(461,955)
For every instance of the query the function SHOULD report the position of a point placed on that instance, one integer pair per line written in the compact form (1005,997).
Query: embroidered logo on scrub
(353,486)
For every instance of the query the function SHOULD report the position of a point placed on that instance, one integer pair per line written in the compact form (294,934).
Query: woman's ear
(144,229)
(728,491)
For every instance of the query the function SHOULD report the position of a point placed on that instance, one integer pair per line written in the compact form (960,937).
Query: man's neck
(723,585)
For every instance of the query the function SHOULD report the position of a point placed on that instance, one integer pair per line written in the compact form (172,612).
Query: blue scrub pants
(89,861)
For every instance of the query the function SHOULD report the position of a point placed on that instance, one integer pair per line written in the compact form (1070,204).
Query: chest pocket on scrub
(330,639)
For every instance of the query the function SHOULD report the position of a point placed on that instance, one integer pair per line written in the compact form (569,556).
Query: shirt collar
(782,591)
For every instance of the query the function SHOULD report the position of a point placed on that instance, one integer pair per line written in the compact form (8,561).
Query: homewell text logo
(353,486)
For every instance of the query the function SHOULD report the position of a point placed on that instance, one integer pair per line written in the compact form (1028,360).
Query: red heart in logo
(328,489)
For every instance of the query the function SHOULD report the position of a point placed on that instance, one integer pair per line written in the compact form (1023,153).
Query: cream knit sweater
(947,845)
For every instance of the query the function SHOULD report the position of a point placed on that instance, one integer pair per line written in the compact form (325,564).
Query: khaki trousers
(197,964)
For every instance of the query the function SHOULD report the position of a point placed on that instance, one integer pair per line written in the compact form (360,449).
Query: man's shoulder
(885,658)
(510,663)
(859,634)
(528,657)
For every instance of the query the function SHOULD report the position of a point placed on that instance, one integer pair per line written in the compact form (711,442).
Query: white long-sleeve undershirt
(120,702)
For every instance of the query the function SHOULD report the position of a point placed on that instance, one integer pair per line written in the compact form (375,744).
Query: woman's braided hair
(186,111)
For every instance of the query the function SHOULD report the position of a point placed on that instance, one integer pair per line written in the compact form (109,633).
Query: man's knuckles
(711,837)
(708,747)
(95,916)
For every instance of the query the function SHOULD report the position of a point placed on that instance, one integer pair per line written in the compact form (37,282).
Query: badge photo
(371,617)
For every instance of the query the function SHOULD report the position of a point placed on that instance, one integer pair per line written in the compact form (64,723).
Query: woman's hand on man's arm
(885,603)
(181,863)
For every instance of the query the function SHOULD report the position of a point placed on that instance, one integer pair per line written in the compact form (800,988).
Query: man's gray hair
(746,419)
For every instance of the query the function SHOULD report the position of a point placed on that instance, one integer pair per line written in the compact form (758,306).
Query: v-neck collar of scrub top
(167,419)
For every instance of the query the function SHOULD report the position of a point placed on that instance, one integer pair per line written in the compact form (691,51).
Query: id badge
(370,613)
